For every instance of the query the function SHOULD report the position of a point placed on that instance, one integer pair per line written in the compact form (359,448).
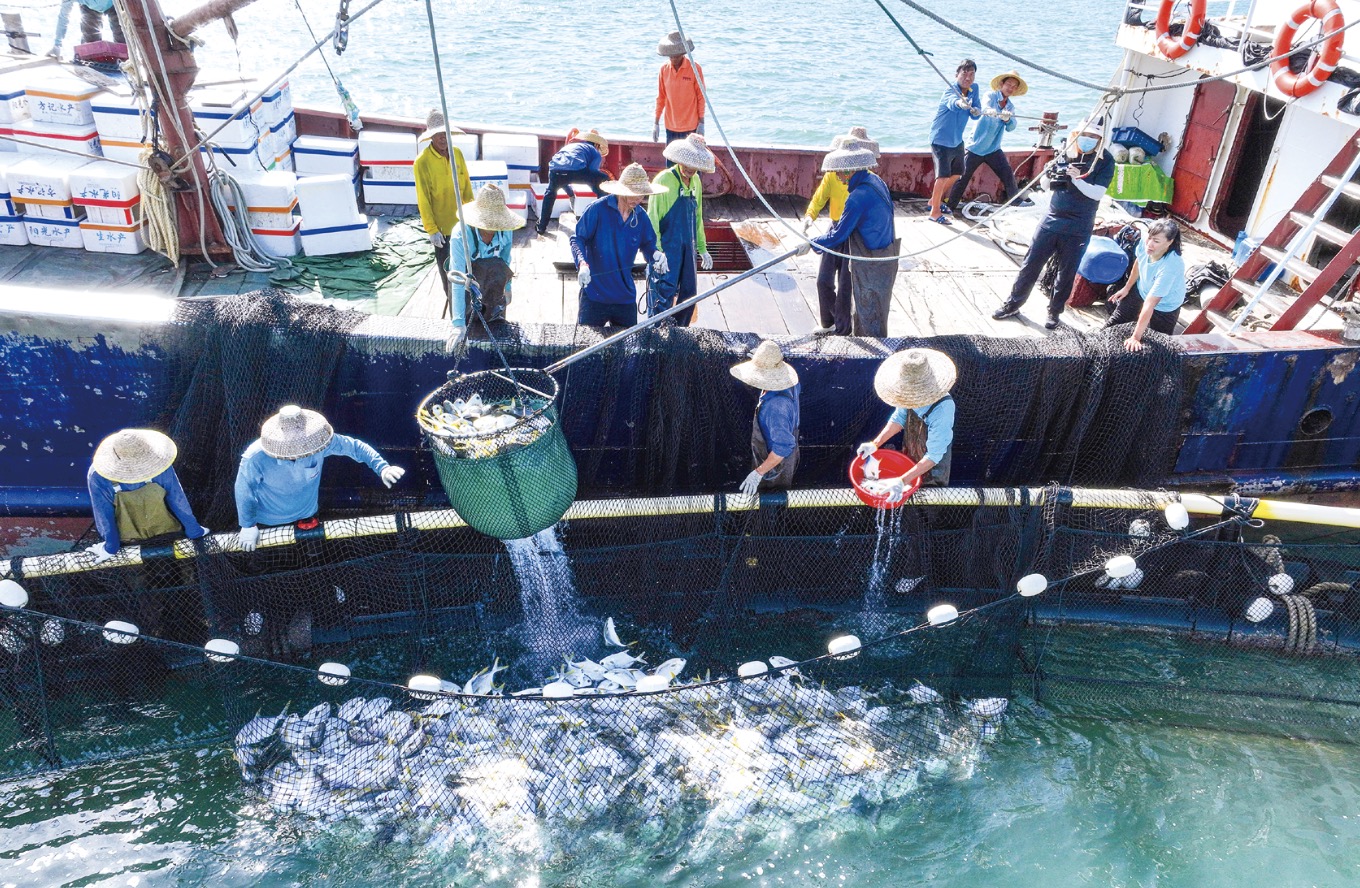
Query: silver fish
(621,660)
(611,634)
(259,729)
(672,668)
(374,708)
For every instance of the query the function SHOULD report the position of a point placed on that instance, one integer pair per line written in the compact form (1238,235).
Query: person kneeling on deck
(135,493)
(1078,179)
(487,241)
(833,275)
(1156,289)
(864,231)
(774,429)
(917,382)
(579,162)
(435,196)
(280,474)
(608,236)
(677,213)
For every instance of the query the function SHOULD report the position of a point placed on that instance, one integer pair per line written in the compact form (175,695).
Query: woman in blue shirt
(1159,275)
(486,239)
(135,493)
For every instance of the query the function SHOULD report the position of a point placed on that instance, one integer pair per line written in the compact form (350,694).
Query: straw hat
(488,211)
(671,45)
(295,432)
(632,182)
(1001,78)
(917,377)
(767,369)
(593,136)
(134,455)
(691,151)
(434,123)
(858,137)
(849,160)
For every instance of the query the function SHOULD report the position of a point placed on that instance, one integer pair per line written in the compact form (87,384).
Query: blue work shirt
(778,415)
(576,156)
(102,491)
(947,127)
(499,248)
(280,491)
(608,243)
(1163,280)
(868,209)
(987,134)
(1073,211)
(939,426)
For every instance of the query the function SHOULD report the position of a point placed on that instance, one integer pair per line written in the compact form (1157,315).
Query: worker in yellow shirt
(435,192)
(833,275)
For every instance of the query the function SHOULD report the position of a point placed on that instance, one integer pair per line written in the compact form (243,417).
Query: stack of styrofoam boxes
(119,123)
(13,109)
(270,200)
(60,112)
(331,221)
(277,112)
(12,230)
(520,154)
(42,184)
(538,191)
(488,172)
(326,156)
(238,145)
(113,207)
(388,159)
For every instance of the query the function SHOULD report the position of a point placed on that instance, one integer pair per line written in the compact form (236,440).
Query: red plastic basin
(892,464)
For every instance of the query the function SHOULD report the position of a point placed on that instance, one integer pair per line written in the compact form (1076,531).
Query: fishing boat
(1264,396)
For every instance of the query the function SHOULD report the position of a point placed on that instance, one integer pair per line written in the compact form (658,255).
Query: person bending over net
(917,383)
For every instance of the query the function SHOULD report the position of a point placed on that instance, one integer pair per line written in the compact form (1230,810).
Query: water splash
(874,611)
(553,625)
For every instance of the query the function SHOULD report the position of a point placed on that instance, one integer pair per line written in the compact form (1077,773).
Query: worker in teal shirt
(917,382)
(984,146)
(134,492)
(279,479)
(608,237)
(1155,291)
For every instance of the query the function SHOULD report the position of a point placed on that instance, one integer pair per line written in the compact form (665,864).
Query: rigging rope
(351,109)
(230,203)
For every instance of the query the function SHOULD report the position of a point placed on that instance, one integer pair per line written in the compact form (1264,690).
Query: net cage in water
(500,452)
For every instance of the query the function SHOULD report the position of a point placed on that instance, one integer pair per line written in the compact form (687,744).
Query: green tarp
(1140,183)
(380,281)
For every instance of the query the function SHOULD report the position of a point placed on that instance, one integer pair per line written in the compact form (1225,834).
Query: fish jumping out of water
(611,635)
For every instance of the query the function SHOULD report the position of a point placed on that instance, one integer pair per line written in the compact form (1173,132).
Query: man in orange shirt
(677,91)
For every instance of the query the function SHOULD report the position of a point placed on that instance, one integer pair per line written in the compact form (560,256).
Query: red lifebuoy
(1320,64)
(1175,47)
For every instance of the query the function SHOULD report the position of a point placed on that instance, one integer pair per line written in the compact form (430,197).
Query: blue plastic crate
(1133,137)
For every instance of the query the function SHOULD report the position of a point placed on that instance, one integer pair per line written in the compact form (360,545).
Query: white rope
(226,193)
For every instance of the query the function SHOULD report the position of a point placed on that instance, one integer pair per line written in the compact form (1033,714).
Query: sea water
(793,72)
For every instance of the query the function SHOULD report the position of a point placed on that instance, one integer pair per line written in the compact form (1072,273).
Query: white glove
(659,263)
(706,260)
(700,130)
(803,248)
(1007,115)
(249,538)
(656,131)
(583,275)
(437,239)
(894,489)
(100,553)
(807,223)
(391,475)
(751,484)
(964,104)
(866,450)
(991,112)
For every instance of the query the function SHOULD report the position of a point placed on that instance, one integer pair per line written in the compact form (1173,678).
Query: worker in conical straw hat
(279,479)
(677,214)
(865,229)
(984,146)
(579,162)
(917,383)
(833,274)
(774,428)
(135,493)
(436,197)
(679,100)
(488,240)
(608,237)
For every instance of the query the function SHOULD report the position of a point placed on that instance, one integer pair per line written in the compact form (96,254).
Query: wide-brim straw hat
(434,124)
(132,456)
(593,137)
(917,377)
(767,370)
(691,151)
(489,213)
(849,160)
(672,45)
(858,137)
(1001,78)
(295,432)
(632,182)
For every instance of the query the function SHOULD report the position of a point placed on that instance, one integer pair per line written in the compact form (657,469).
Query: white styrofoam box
(561,203)
(129,239)
(10,208)
(128,215)
(54,232)
(102,180)
(124,151)
(272,220)
(118,117)
(386,172)
(518,151)
(285,131)
(281,243)
(351,238)
(324,154)
(38,136)
(54,211)
(13,102)
(43,179)
(584,198)
(55,96)
(278,103)
(376,192)
(489,172)
(275,190)
(234,160)
(517,200)
(226,109)
(12,231)
(328,201)
(387,148)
